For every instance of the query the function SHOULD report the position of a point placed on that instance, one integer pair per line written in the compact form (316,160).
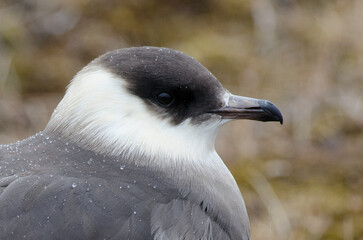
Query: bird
(129,153)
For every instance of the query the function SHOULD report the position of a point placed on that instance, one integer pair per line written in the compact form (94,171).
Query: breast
(50,187)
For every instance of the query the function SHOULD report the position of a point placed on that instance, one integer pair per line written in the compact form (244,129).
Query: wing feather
(181,219)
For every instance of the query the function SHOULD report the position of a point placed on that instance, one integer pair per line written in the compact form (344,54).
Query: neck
(206,182)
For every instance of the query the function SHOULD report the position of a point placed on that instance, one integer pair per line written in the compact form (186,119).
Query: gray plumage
(52,188)
(129,154)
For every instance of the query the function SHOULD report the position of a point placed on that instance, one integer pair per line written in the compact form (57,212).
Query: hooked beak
(249,108)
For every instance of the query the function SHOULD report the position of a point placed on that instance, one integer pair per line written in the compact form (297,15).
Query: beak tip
(272,110)
(279,116)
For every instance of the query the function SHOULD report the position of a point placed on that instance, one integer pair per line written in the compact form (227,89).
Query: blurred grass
(300,181)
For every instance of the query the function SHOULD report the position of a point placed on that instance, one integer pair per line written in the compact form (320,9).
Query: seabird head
(150,101)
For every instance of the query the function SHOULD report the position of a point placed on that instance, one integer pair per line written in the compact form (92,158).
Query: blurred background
(302,180)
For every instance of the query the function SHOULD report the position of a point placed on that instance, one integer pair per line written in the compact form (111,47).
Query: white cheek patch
(99,114)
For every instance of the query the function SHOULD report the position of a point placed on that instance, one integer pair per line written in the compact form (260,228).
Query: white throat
(99,114)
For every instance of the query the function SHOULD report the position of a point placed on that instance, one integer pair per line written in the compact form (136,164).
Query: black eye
(165,98)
